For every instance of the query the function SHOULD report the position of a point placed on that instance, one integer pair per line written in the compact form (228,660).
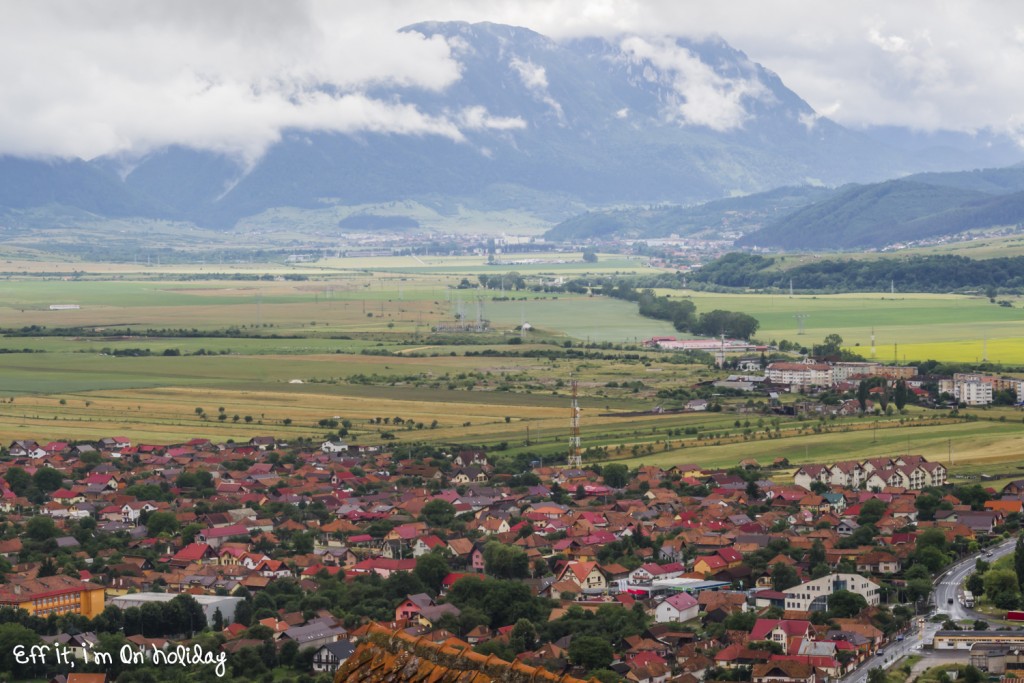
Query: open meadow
(166,353)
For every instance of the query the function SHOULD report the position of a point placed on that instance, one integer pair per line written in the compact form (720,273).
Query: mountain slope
(591,122)
(869,216)
(736,214)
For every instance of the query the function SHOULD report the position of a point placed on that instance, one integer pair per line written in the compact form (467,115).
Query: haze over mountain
(529,124)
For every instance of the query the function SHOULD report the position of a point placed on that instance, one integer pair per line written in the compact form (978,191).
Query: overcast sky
(92,77)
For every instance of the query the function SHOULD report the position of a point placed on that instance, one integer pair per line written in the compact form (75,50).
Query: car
(899,637)
(879,652)
(950,601)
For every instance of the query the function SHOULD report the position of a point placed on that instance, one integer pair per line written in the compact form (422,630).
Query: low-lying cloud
(698,95)
(83,78)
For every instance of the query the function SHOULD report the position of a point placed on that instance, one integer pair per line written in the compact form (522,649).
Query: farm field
(907,326)
(978,446)
(245,345)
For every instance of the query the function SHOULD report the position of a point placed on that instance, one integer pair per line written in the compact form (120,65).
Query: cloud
(809,119)
(478,118)
(535,78)
(93,77)
(953,66)
(698,95)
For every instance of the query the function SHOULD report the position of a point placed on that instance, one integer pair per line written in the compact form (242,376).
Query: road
(891,653)
(949,586)
(948,589)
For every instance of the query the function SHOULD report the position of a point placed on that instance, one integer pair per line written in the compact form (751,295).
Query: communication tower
(575,460)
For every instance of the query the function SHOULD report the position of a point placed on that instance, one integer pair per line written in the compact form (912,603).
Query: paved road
(949,586)
(888,655)
(948,590)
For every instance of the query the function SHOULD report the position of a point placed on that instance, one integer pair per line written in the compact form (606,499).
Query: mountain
(918,207)
(736,214)
(546,127)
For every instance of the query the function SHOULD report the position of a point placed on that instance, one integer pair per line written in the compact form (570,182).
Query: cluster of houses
(691,530)
(912,472)
(810,375)
(978,388)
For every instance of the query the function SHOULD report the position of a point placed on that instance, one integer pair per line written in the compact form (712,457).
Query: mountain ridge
(590,121)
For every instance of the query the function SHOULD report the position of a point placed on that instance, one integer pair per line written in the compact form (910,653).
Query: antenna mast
(575,458)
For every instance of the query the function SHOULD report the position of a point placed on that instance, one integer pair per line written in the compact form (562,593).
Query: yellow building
(53,595)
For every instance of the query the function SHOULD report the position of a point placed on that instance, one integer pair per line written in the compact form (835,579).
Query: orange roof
(1005,506)
(384,655)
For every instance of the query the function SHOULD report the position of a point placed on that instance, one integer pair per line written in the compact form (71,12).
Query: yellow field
(1006,351)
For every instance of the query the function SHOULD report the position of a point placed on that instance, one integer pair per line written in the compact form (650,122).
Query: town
(285,556)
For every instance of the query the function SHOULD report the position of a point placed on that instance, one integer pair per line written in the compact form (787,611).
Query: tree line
(682,313)
(940,273)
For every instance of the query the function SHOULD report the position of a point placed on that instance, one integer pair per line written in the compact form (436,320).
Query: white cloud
(91,77)
(699,96)
(81,78)
(478,118)
(535,78)
(810,119)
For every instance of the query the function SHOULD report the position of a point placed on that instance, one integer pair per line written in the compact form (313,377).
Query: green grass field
(348,306)
(907,327)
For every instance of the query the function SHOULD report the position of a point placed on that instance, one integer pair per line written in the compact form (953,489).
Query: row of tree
(938,273)
(682,313)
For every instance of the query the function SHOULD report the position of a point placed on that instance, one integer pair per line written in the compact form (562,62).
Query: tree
(932,558)
(243,613)
(431,569)
(506,561)
(918,589)
(832,346)
(616,475)
(11,636)
(161,522)
(191,617)
(816,555)
(926,505)
(523,636)
(218,620)
(18,480)
(589,256)
(438,513)
(48,479)
(590,652)
(1001,588)
(783,577)
(729,323)
(871,511)
(876,675)
(843,604)
(862,395)
(289,650)
(41,528)
(900,394)
(975,583)
(932,538)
